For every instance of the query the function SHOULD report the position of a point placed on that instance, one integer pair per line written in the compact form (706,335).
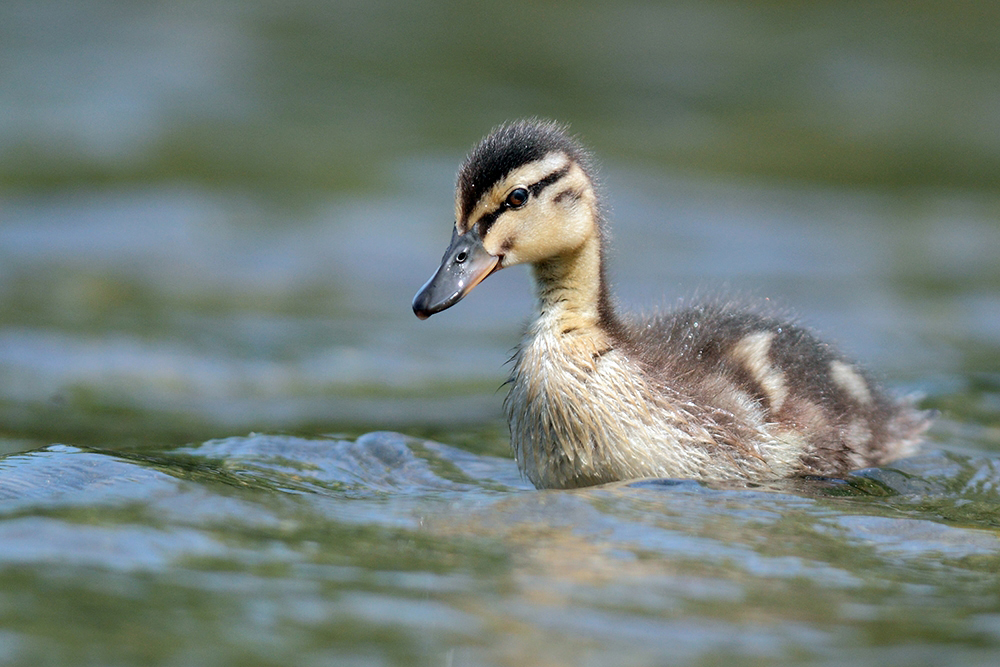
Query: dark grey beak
(465,264)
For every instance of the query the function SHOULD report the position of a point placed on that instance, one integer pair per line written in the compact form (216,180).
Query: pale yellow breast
(582,413)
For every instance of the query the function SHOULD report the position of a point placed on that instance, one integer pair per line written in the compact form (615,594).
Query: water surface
(388,549)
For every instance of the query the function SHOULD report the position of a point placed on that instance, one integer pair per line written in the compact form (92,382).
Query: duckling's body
(709,392)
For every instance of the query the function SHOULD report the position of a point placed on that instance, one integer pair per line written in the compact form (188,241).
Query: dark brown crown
(508,147)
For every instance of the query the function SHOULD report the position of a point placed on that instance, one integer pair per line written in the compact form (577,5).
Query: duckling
(711,392)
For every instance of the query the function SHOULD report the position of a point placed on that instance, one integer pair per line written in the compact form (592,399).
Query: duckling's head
(524,195)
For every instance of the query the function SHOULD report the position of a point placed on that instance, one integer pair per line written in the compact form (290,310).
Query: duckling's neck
(572,292)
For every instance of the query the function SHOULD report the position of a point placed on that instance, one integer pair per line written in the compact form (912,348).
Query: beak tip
(421,305)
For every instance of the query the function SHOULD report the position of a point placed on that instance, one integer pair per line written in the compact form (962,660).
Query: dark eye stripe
(548,180)
(486,220)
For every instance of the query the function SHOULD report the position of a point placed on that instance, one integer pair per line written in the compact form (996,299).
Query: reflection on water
(393,550)
(213,216)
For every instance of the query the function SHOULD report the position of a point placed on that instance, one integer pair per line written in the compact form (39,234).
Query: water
(227,440)
(388,549)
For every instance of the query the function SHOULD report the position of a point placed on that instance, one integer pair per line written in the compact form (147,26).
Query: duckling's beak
(464,265)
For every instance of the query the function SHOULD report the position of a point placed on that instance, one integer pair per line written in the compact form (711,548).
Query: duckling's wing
(758,368)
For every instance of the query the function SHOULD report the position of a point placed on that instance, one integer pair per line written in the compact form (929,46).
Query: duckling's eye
(461,257)
(517,198)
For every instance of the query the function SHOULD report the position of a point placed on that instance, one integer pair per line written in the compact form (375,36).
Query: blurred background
(214,213)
